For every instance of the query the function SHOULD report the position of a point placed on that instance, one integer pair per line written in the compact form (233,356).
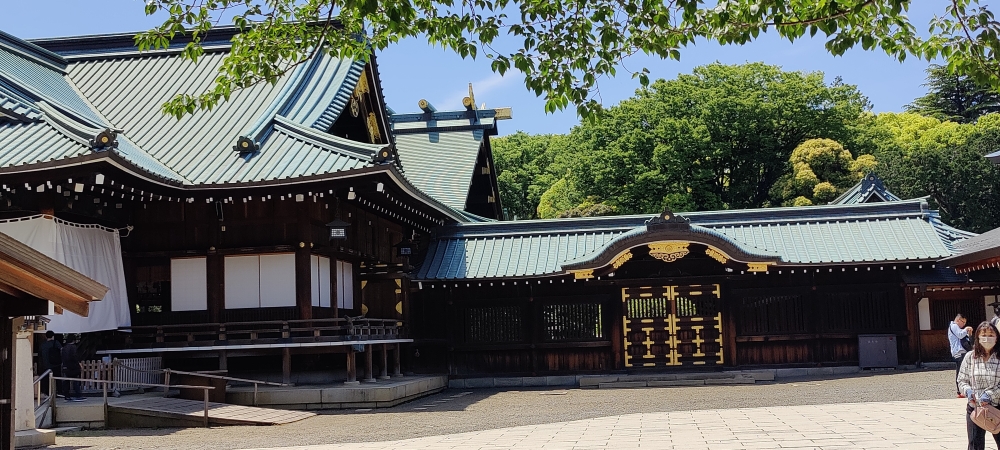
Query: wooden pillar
(383,372)
(730,309)
(215,267)
(534,312)
(396,356)
(615,313)
(286,365)
(912,324)
(223,360)
(334,288)
(303,266)
(7,386)
(303,280)
(369,373)
(352,366)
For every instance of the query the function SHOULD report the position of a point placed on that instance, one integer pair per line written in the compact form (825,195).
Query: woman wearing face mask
(979,379)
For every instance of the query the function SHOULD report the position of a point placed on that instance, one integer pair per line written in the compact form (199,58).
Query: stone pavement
(914,425)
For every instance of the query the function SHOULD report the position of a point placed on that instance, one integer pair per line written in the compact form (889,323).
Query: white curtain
(92,250)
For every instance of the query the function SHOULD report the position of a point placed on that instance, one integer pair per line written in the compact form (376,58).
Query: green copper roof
(869,190)
(104,82)
(818,235)
(40,74)
(438,151)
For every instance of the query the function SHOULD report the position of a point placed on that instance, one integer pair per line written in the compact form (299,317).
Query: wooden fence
(122,372)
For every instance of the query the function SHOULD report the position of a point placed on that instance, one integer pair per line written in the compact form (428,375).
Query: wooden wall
(280,224)
(801,320)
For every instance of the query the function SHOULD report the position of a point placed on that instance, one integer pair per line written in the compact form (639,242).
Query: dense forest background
(752,135)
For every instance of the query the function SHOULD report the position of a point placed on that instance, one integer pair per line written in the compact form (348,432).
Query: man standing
(50,358)
(956,331)
(72,368)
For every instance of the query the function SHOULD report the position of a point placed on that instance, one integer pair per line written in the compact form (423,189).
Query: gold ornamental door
(672,326)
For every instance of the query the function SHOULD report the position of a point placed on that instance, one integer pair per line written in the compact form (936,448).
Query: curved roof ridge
(16,107)
(33,52)
(330,142)
(336,106)
(732,217)
(82,134)
(69,126)
(750,252)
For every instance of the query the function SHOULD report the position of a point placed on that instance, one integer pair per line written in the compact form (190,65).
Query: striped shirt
(981,376)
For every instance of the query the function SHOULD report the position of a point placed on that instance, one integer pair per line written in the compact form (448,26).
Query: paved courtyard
(924,424)
(911,410)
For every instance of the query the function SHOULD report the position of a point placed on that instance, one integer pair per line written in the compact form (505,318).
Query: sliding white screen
(277,280)
(242,282)
(188,284)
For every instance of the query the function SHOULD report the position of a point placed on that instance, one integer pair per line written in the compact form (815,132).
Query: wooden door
(672,326)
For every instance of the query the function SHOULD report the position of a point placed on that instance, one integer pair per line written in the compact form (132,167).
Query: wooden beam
(32,284)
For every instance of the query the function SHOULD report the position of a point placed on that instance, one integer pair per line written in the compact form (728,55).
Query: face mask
(987,341)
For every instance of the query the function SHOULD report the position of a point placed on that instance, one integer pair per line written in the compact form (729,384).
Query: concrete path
(913,425)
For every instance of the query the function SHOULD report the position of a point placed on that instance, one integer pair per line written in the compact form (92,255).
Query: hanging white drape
(92,250)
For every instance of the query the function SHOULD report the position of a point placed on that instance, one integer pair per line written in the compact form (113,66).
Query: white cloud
(481,89)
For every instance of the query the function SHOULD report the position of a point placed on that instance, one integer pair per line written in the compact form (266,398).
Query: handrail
(259,322)
(104,389)
(37,385)
(223,377)
(167,372)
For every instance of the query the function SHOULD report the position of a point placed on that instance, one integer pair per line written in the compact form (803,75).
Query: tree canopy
(923,156)
(714,139)
(749,136)
(955,97)
(563,49)
(821,169)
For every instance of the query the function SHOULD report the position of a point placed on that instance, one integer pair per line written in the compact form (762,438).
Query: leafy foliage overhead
(563,49)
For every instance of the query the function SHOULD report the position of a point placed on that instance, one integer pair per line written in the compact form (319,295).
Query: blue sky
(413,69)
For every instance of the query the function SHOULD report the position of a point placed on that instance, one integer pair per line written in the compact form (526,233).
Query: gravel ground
(458,410)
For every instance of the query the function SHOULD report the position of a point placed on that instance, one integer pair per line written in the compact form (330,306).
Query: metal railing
(37,385)
(166,378)
(104,391)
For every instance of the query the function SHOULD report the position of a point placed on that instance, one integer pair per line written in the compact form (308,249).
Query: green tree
(527,165)
(562,48)
(718,138)
(591,207)
(822,169)
(557,199)
(955,97)
(922,156)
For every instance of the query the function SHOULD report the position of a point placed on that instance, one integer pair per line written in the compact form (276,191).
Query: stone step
(668,380)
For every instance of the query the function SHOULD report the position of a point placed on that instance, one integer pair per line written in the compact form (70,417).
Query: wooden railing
(166,377)
(104,393)
(260,332)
